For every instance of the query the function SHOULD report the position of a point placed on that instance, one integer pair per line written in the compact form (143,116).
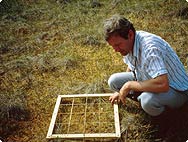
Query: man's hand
(155,85)
(123,93)
(117,97)
(120,96)
(114,97)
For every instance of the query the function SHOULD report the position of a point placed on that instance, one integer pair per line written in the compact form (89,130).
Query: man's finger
(118,100)
(110,98)
(122,100)
(114,98)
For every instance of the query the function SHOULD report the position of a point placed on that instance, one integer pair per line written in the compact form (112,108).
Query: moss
(57,47)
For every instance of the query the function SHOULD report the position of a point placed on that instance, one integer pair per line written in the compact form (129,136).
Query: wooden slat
(116,119)
(54,116)
(84,135)
(86,95)
(70,116)
(96,135)
(85,115)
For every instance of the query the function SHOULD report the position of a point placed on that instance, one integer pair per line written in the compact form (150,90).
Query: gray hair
(117,25)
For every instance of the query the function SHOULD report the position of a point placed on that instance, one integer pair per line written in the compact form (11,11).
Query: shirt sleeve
(154,62)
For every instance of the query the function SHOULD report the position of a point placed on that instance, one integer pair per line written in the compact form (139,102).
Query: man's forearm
(157,85)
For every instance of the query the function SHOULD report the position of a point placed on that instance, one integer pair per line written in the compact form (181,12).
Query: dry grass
(53,47)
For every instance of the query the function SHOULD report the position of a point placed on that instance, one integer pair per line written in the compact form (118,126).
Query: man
(154,70)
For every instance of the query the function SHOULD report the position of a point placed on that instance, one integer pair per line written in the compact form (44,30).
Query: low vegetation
(52,47)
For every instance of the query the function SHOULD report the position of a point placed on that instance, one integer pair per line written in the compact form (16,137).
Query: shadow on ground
(172,127)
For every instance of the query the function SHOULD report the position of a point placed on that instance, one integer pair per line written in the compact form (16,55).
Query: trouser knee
(117,80)
(150,104)
(112,82)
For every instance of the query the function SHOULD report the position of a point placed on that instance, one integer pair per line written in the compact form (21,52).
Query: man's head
(119,33)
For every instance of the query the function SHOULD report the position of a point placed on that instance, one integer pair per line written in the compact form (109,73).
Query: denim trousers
(152,103)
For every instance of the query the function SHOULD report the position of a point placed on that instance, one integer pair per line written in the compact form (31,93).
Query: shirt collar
(133,56)
(136,46)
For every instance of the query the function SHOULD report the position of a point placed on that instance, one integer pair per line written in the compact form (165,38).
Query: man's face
(121,45)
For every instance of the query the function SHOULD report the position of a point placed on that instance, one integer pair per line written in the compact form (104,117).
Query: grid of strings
(85,115)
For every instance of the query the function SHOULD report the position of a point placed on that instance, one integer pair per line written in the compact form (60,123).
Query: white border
(116,135)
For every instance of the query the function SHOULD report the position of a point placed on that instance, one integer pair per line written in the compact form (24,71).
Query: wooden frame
(110,135)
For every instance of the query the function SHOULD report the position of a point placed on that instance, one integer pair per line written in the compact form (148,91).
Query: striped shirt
(152,56)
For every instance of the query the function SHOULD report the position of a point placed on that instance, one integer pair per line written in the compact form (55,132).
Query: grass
(53,47)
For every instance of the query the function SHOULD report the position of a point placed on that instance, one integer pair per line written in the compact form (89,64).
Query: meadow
(52,47)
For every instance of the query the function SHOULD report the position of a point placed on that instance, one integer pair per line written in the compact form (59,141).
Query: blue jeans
(152,103)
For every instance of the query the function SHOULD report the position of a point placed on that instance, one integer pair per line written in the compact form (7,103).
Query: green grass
(49,48)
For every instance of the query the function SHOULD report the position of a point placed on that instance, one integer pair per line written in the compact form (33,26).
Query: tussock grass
(51,47)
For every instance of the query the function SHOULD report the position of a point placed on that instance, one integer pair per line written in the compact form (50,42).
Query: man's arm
(156,85)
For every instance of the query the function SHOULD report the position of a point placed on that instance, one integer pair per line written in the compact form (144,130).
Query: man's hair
(117,25)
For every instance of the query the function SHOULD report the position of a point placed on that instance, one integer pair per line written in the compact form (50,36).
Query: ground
(52,47)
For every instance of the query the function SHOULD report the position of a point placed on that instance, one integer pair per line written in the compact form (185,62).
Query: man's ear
(131,35)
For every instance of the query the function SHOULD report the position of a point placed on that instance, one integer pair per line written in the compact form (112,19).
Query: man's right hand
(114,97)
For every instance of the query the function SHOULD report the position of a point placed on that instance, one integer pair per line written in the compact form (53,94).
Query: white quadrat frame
(114,135)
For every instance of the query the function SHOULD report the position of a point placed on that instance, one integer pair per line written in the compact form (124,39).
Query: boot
(164,122)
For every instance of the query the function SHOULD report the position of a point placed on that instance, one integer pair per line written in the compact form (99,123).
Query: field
(52,47)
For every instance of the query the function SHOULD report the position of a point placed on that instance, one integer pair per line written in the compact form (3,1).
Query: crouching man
(154,69)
